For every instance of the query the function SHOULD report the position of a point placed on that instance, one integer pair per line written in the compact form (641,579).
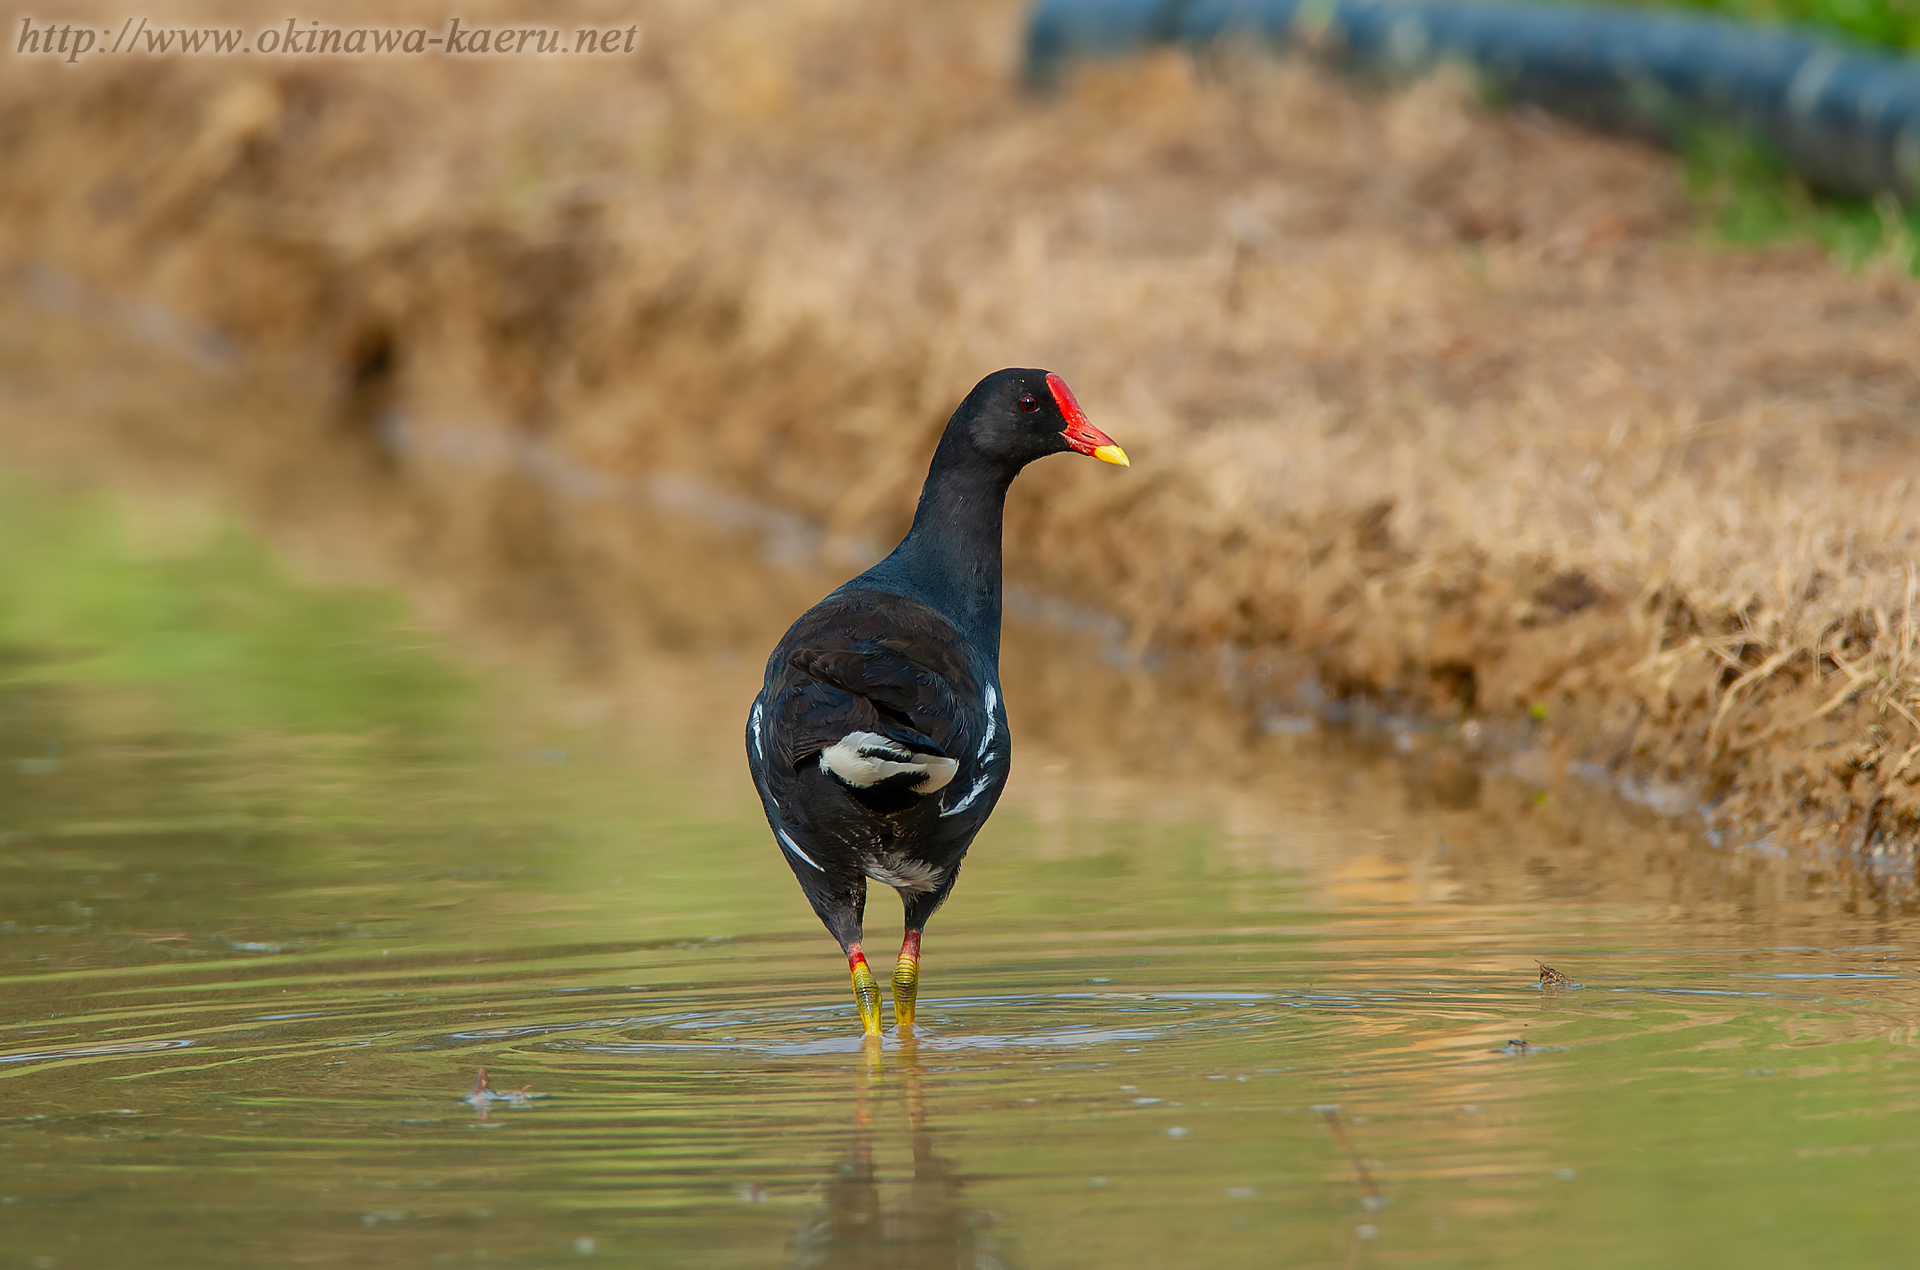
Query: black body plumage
(879,742)
(867,661)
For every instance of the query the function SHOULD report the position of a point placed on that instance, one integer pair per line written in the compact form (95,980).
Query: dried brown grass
(1435,405)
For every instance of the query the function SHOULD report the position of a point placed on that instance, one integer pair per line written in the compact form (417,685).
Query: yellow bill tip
(1111,454)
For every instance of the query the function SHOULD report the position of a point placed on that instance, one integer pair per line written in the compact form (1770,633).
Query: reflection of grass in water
(172,702)
(173,705)
(212,623)
(1750,197)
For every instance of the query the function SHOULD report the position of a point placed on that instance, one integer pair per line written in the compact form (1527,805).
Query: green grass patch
(1890,23)
(1750,198)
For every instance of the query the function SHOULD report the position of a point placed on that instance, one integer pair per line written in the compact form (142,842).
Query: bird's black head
(1013,417)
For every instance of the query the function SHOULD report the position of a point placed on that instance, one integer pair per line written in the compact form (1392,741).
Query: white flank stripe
(794,847)
(993,699)
(979,788)
(758,749)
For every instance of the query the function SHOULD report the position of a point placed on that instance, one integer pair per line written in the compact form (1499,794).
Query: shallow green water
(278,876)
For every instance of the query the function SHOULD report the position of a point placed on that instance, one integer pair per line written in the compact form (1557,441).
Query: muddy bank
(1448,412)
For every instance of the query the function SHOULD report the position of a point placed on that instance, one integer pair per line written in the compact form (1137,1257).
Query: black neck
(950,559)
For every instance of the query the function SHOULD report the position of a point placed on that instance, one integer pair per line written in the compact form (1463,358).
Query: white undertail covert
(863,759)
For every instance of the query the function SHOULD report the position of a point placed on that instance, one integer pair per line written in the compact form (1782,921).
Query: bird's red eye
(1029,403)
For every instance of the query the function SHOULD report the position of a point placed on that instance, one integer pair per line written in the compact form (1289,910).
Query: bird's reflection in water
(871,1223)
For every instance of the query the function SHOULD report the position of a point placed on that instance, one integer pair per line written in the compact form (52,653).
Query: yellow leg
(906,983)
(865,991)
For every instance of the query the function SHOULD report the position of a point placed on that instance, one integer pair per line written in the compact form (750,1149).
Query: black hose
(1846,119)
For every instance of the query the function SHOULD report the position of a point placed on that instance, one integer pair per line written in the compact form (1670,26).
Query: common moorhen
(878,741)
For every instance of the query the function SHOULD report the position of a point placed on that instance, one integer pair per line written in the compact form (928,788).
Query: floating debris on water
(484,1095)
(1551,978)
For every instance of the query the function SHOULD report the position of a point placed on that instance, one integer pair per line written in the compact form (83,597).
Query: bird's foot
(865,991)
(906,983)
